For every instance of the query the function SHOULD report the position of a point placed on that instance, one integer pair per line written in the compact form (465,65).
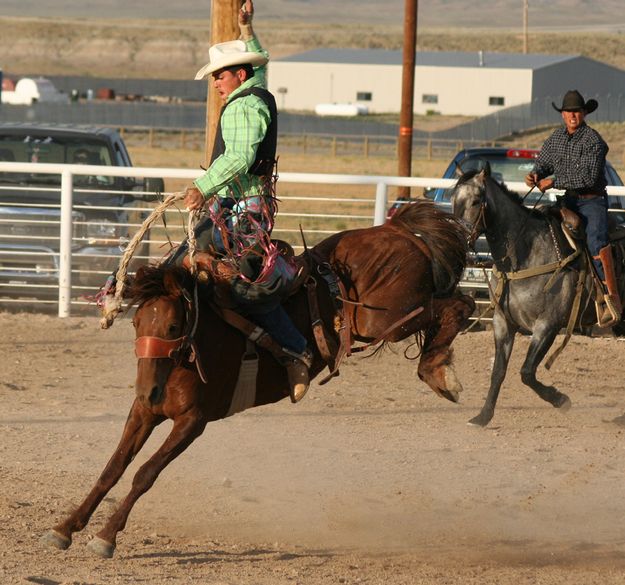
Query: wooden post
(366,147)
(525,21)
(224,27)
(406,116)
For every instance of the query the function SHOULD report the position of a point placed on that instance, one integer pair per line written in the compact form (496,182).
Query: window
(496,101)
(364,96)
(429,98)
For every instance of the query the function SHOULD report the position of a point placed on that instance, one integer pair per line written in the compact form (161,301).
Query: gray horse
(540,282)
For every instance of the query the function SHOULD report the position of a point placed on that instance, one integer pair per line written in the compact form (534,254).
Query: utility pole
(406,117)
(224,27)
(525,22)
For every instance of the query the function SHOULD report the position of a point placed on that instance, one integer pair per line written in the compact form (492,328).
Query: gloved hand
(246,14)
(193,199)
(531,179)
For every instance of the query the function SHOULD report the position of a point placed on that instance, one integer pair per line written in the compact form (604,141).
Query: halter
(478,226)
(153,347)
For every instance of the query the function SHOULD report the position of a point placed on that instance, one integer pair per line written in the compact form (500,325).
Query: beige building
(449,83)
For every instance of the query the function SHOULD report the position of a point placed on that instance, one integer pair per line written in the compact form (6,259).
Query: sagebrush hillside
(175,49)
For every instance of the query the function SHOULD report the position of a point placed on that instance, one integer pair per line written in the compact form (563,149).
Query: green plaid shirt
(244,124)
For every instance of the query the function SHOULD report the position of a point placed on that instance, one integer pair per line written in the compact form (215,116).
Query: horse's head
(162,328)
(468,201)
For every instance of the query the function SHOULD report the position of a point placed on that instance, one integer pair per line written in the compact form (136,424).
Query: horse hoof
(564,404)
(452,383)
(101,548)
(450,395)
(479,421)
(54,539)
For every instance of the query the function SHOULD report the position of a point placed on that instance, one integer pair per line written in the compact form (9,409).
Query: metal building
(448,83)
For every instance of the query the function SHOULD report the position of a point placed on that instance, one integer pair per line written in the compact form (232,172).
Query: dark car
(103,206)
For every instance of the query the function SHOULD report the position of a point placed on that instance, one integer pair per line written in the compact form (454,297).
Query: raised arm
(246,14)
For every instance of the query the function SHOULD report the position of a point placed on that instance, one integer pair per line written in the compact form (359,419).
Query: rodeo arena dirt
(370,479)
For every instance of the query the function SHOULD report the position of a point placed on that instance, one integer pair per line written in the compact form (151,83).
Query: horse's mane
(512,195)
(444,236)
(150,282)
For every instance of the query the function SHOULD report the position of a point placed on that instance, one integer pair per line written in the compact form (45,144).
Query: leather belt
(584,195)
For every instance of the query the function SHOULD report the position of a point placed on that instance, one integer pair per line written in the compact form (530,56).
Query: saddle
(572,224)
(607,310)
(222,272)
(334,343)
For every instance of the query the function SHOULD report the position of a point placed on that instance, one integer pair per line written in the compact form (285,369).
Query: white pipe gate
(67,173)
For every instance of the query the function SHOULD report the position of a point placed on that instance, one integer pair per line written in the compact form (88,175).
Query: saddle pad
(244,396)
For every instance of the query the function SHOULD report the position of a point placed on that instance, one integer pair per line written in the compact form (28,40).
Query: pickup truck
(103,208)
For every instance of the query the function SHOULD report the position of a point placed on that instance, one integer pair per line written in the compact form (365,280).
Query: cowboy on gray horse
(573,159)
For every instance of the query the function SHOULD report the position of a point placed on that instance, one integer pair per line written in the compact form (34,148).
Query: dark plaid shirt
(576,160)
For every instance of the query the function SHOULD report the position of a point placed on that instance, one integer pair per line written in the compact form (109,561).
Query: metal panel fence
(49,272)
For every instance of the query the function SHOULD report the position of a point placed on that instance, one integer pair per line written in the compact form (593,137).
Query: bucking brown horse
(373,285)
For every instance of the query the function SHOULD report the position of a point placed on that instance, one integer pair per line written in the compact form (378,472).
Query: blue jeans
(594,215)
(206,236)
(276,321)
(279,325)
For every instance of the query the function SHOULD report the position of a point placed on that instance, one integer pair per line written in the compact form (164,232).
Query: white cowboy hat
(228,54)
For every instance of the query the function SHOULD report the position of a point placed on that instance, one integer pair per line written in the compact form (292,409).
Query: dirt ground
(371,479)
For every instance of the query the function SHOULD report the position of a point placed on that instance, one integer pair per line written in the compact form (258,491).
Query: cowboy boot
(297,366)
(609,307)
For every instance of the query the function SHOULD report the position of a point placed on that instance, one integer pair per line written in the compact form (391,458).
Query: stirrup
(607,313)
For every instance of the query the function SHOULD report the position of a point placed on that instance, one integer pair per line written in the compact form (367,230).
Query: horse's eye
(134,323)
(173,327)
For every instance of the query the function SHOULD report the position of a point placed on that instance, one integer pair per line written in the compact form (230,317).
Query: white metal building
(449,83)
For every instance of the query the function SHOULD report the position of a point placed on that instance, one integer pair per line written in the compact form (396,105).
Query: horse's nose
(149,393)
(156,395)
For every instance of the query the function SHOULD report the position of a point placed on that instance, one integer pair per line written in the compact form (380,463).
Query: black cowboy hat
(573,101)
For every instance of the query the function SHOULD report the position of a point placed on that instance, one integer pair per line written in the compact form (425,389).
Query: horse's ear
(486,170)
(172,284)
(481,176)
(140,274)
(458,170)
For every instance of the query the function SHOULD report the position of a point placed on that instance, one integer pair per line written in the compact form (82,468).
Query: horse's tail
(445,237)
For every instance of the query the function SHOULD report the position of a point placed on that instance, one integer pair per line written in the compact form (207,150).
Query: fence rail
(334,145)
(321,204)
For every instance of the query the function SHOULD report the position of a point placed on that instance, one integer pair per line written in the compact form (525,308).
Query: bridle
(182,348)
(478,226)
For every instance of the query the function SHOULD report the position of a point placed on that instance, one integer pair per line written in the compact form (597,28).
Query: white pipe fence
(66,239)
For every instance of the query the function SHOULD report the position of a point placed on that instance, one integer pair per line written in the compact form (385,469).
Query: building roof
(429,58)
